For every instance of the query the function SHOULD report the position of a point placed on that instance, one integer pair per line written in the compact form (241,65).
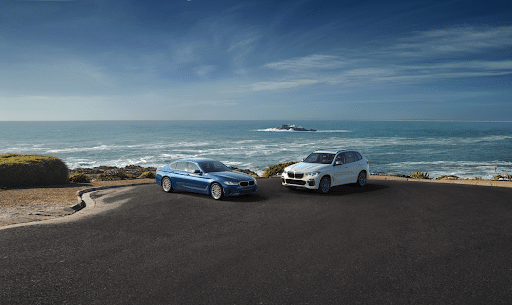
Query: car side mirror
(338,163)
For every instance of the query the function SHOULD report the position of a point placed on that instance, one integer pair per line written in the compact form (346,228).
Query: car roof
(196,160)
(330,150)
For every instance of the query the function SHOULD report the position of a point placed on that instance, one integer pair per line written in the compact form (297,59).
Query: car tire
(167,185)
(361,179)
(216,191)
(325,185)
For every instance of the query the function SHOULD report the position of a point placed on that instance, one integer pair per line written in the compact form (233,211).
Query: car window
(213,166)
(340,158)
(191,167)
(350,157)
(322,158)
(181,166)
(358,156)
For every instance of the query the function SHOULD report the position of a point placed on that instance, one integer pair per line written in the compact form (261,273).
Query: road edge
(85,204)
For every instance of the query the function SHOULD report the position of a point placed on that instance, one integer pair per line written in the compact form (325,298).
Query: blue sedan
(205,176)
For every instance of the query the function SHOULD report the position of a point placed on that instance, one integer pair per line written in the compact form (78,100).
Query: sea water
(464,149)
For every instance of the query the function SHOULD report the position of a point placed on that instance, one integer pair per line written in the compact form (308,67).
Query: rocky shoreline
(136,171)
(94,172)
(132,170)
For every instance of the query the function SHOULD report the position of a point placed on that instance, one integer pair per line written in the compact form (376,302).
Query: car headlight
(313,174)
(230,183)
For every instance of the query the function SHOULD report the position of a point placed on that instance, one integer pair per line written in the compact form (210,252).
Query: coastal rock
(247,171)
(134,170)
(294,128)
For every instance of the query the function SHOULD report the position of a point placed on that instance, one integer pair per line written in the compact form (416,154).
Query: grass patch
(18,170)
(80,178)
(148,174)
(419,175)
(447,177)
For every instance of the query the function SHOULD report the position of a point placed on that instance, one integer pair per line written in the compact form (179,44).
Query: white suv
(327,167)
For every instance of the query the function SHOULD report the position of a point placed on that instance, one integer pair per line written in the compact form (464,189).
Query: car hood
(231,176)
(306,167)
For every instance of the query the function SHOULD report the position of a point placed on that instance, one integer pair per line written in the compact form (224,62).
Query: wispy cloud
(315,61)
(210,103)
(405,60)
(454,40)
(278,85)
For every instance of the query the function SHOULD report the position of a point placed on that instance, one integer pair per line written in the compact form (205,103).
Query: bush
(447,177)
(148,175)
(419,175)
(501,177)
(276,169)
(80,178)
(18,170)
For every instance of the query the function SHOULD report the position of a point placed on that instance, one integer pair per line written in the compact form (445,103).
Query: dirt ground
(59,195)
(40,203)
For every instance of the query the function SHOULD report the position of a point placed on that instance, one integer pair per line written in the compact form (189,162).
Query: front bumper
(300,181)
(237,190)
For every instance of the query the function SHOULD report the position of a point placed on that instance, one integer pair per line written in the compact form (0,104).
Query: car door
(351,167)
(196,180)
(339,172)
(360,164)
(180,174)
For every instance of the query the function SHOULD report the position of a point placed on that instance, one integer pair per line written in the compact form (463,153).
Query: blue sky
(284,60)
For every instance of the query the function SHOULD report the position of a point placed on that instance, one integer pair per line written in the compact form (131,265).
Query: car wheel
(325,185)
(216,191)
(167,184)
(361,179)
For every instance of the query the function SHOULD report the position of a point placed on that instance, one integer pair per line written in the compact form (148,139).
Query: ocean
(464,149)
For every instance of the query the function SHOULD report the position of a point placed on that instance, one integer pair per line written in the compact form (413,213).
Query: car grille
(246,183)
(295,175)
(296,182)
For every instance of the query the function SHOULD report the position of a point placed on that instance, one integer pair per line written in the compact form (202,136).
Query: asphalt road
(389,242)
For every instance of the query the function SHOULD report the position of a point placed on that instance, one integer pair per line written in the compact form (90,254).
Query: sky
(255,60)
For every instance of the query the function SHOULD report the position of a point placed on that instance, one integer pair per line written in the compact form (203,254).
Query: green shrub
(276,169)
(18,170)
(148,175)
(80,178)
(447,177)
(419,175)
(498,177)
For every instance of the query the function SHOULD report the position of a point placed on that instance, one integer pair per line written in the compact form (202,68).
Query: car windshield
(213,166)
(322,158)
